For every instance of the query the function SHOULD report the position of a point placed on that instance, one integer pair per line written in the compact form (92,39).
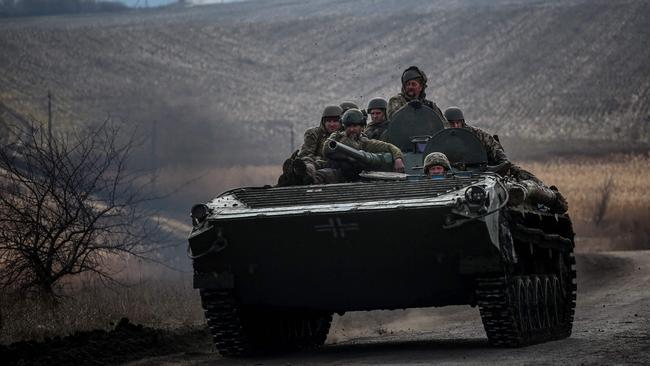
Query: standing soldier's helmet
(377,103)
(353,117)
(413,72)
(454,114)
(436,158)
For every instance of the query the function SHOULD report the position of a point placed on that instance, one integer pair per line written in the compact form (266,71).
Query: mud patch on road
(126,342)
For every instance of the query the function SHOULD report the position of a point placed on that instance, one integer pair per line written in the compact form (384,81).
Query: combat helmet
(377,103)
(454,114)
(413,72)
(436,158)
(353,117)
(348,105)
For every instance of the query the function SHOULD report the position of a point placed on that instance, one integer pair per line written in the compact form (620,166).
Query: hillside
(218,78)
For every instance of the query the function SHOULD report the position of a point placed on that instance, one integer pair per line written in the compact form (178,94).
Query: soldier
(338,172)
(528,184)
(310,154)
(352,121)
(352,105)
(312,147)
(414,82)
(436,165)
(496,154)
(378,121)
(348,105)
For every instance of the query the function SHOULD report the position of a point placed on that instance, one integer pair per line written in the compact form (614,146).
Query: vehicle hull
(379,259)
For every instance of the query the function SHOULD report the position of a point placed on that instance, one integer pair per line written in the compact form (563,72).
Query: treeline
(9,8)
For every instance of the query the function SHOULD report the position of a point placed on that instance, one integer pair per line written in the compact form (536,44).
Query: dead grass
(152,295)
(607,215)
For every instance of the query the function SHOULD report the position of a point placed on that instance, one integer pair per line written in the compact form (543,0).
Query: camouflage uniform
(309,157)
(400,100)
(340,172)
(376,131)
(366,144)
(495,153)
(311,151)
(312,148)
(527,185)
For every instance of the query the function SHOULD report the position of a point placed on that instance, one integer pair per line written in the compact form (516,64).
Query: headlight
(199,213)
(475,195)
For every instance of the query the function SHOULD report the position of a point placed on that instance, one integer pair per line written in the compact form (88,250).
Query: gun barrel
(337,151)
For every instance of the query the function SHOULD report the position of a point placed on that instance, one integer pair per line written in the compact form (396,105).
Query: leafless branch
(67,203)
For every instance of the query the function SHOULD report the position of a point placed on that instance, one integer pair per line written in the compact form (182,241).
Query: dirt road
(612,326)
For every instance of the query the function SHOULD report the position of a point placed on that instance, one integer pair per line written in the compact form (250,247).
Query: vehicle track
(611,326)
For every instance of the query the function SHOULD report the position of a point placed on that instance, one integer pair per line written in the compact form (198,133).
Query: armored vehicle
(273,264)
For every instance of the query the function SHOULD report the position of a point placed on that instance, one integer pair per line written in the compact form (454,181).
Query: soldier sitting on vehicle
(345,170)
(496,154)
(528,185)
(378,121)
(414,82)
(310,152)
(347,105)
(436,165)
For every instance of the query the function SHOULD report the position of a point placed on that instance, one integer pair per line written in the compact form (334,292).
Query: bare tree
(67,204)
(606,190)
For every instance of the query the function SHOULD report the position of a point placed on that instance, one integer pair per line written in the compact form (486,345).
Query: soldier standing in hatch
(414,82)
(310,157)
(378,122)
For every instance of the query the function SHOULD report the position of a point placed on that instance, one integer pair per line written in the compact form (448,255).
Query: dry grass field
(604,219)
(608,198)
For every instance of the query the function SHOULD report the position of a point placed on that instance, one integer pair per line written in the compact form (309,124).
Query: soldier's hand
(398,165)
(415,104)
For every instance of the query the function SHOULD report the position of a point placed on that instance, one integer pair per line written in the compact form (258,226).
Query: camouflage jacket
(375,131)
(495,153)
(312,148)
(366,144)
(400,100)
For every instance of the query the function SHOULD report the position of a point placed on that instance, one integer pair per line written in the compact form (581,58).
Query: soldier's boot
(287,166)
(301,173)
(285,180)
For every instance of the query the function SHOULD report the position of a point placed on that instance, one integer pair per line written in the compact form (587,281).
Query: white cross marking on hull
(336,227)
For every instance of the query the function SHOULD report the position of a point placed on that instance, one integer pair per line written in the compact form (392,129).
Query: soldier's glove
(417,104)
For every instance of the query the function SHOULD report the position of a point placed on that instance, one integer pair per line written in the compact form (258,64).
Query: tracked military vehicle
(273,264)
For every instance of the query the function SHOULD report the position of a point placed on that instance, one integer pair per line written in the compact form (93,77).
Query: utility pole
(291,127)
(152,157)
(49,120)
